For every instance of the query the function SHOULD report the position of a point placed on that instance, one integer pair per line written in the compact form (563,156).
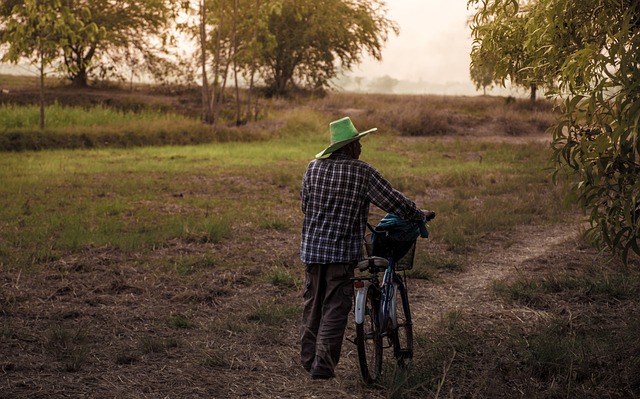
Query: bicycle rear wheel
(402,337)
(369,341)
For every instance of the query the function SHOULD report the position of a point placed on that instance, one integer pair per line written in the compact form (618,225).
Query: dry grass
(211,310)
(432,115)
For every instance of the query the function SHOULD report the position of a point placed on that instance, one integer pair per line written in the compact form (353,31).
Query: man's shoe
(321,375)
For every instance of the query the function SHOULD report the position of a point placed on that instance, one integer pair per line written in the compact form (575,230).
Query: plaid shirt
(336,193)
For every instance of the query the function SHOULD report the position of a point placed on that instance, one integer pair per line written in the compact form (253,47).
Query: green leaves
(314,38)
(72,35)
(588,50)
(33,31)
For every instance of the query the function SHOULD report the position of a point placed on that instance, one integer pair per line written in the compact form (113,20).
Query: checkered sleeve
(387,198)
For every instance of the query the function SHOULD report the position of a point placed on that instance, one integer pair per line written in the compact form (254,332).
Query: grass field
(123,268)
(142,197)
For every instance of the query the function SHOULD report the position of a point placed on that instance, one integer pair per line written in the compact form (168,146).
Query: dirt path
(501,258)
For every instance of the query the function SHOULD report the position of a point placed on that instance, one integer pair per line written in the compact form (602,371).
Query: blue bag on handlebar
(394,236)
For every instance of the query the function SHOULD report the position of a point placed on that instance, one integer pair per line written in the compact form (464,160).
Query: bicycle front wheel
(369,341)
(403,335)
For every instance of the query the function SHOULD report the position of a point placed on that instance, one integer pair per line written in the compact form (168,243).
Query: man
(336,193)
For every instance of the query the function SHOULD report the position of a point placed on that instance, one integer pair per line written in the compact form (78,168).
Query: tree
(254,40)
(37,31)
(591,50)
(133,29)
(235,34)
(502,42)
(384,84)
(315,38)
(125,29)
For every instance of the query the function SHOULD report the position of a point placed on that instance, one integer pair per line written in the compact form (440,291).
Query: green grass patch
(216,359)
(189,264)
(587,286)
(61,201)
(281,277)
(179,321)
(428,267)
(69,345)
(98,127)
(137,199)
(151,344)
(274,314)
(273,223)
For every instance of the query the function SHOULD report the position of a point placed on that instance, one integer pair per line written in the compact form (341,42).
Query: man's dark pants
(328,294)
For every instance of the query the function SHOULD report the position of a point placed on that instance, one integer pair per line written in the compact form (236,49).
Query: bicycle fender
(392,308)
(361,295)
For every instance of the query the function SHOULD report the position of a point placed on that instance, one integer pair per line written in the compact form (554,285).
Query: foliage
(313,39)
(103,35)
(37,31)
(33,31)
(482,71)
(135,33)
(590,51)
(502,48)
(597,139)
(238,39)
(288,43)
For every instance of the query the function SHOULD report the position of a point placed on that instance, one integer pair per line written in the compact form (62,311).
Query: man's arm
(384,196)
(304,196)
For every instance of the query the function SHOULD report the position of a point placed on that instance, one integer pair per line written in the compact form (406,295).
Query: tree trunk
(234,46)
(207,111)
(80,78)
(225,76)
(534,88)
(253,64)
(41,90)
(279,82)
(215,99)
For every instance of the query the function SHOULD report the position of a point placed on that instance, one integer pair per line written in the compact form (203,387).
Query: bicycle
(382,306)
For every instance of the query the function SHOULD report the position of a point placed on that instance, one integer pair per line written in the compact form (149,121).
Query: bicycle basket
(406,261)
(401,251)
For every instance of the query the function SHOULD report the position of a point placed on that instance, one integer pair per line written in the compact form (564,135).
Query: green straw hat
(342,133)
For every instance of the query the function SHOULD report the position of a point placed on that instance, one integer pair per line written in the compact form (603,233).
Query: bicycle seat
(373,263)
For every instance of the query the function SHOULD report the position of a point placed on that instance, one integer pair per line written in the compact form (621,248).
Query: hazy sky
(433,45)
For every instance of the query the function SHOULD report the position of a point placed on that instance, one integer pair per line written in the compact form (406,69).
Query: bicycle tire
(402,338)
(369,341)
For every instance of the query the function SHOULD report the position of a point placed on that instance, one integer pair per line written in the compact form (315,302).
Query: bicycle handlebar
(429,215)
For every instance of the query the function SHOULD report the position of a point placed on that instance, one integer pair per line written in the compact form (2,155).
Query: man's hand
(429,215)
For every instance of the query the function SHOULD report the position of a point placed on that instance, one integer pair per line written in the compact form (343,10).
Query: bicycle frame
(387,305)
(387,309)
